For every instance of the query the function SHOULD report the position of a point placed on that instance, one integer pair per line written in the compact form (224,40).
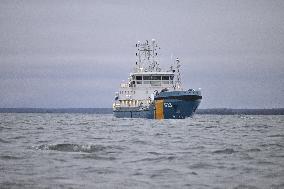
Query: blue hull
(133,113)
(167,105)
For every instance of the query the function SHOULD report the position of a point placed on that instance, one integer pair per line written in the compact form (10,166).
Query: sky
(64,54)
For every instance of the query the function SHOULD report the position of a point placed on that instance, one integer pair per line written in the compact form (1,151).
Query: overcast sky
(76,53)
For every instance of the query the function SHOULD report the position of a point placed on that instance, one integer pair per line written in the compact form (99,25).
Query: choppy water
(99,151)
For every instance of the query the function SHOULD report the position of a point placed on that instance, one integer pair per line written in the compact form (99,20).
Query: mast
(147,57)
(178,83)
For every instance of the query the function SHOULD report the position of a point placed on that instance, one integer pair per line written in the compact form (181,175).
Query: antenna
(178,75)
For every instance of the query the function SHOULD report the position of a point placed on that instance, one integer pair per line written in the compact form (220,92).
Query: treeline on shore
(216,111)
(227,111)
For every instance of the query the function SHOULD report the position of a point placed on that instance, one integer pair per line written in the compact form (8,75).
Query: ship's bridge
(151,79)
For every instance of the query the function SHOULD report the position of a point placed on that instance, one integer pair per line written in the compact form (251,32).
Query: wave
(3,141)
(202,165)
(72,148)
(277,135)
(244,186)
(225,151)
(8,157)
(253,150)
(155,159)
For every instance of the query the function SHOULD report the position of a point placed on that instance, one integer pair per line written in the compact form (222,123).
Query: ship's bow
(176,104)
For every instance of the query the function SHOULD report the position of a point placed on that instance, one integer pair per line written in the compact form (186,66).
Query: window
(156,83)
(139,82)
(146,82)
(165,77)
(146,77)
(138,77)
(156,77)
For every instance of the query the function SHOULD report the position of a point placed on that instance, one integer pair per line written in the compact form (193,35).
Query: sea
(77,150)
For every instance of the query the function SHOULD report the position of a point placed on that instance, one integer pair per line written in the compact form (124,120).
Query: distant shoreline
(214,111)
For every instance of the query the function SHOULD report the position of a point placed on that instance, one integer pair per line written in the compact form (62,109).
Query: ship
(153,93)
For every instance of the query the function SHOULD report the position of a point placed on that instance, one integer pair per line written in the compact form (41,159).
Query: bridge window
(156,77)
(156,83)
(146,77)
(165,77)
(165,82)
(138,77)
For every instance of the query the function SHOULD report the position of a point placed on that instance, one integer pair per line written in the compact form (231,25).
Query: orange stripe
(159,105)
